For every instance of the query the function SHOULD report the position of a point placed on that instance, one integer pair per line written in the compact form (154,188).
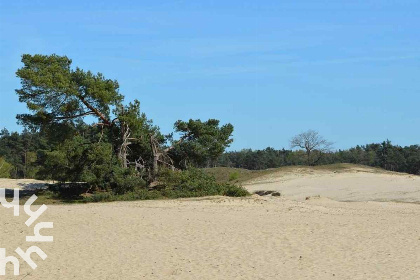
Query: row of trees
(19,153)
(79,129)
(384,155)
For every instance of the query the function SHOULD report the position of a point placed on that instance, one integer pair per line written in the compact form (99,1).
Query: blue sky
(349,69)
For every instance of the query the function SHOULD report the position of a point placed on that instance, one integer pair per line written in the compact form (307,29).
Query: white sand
(354,184)
(227,238)
(253,238)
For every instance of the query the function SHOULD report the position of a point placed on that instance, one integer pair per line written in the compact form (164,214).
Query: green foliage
(139,128)
(138,194)
(59,99)
(117,151)
(131,116)
(21,151)
(55,93)
(223,174)
(234,176)
(144,194)
(5,168)
(173,184)
(384,155)
(235,191)
(125,180)
(68,191)
(201,143)
(77,160)
(195,182)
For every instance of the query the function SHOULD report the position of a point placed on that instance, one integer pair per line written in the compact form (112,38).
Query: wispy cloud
(353,60)
(223,46)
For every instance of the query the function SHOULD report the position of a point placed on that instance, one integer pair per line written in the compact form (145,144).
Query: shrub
(194,183)
(68,190)
(235,191)
(127,187)
(138,194)
(125,180)
(77,160)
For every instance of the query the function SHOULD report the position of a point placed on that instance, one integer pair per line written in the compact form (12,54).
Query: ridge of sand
(351,184)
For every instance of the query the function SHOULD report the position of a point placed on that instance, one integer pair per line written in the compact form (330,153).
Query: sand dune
(350,184)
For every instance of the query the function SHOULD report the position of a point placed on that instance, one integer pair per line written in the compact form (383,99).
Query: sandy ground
(24,184)
(233,238)
(355,184)
(224,238)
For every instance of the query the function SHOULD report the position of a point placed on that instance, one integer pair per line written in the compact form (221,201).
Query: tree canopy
(81,129)
(54,92)
(201,143)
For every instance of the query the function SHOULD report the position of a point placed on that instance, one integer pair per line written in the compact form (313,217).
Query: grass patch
(236,175)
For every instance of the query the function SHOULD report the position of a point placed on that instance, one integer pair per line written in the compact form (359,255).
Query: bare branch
(311,141)
(75,116)
(95,111)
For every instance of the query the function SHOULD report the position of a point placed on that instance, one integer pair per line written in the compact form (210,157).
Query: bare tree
(313,143)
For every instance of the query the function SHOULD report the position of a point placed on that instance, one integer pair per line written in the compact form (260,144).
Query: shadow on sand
(32,186)
(48,193)
(23,193)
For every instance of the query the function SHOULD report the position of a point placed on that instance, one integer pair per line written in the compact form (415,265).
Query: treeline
(385,155)
(20,153)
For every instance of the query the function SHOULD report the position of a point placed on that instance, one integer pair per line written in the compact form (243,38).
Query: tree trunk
(26,161)
(308,153)
(95,111)
(125,134)
(156,156)
(155,164)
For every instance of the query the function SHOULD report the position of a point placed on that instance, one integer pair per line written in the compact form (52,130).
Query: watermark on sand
(37,237)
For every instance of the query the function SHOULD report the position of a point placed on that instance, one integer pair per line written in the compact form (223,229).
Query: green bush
(138,194)
(194,183)
(77,160)
(235,191)
(68,191)
(125,186)
(125,180)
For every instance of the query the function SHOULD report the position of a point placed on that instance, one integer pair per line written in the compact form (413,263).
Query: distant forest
(24,154)
(385,155)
